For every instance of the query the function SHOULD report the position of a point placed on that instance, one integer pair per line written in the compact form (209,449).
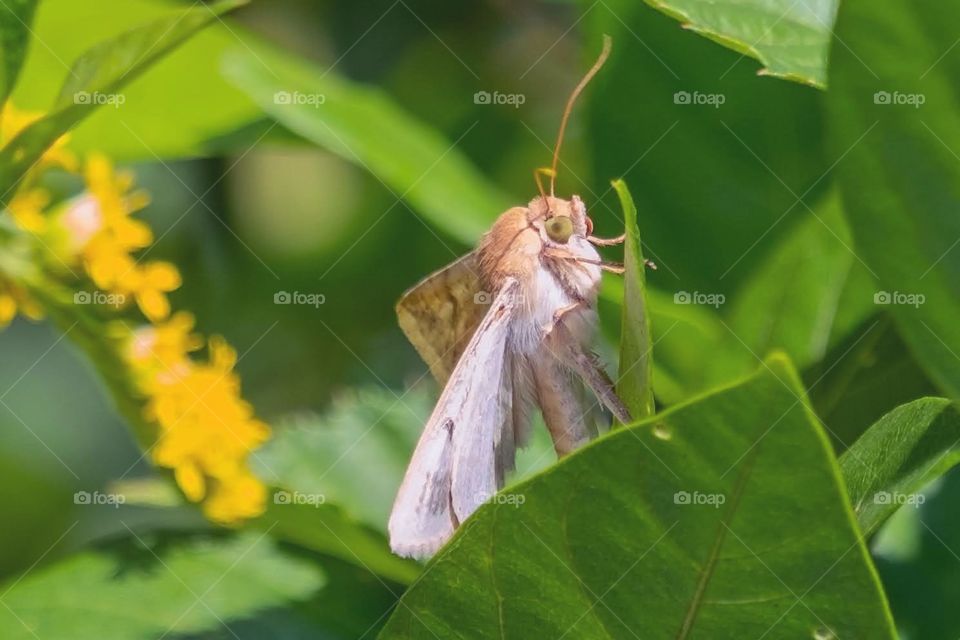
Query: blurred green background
(247,208)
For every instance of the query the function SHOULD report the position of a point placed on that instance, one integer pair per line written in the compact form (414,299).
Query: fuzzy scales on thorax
(551,278)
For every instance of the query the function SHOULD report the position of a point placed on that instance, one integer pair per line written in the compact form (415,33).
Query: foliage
(792,363)
(704,540)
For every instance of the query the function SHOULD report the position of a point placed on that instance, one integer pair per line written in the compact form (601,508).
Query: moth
(504,329)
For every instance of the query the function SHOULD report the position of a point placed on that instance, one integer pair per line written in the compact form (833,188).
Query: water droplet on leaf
(662,431)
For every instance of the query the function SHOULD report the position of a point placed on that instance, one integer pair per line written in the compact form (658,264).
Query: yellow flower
(99,229)
(206,430)
(164,346)
(190,479)
(26,209)
(8,308)
(236,497)
(13,299)
(89,229)
(149,284)
(13,121)
(112,191)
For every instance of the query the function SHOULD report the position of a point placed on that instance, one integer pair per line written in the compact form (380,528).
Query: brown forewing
(440,314)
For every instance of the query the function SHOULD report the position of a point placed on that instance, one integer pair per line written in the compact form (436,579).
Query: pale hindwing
(563,402)
(454,467)
(440,314)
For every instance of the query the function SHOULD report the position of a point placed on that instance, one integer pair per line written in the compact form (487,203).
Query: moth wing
(441,313)
(563,402)
(453,469)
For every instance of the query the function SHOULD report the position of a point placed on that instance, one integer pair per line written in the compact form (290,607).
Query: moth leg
(607,242)
(617,267)
(612,267)
(562,343)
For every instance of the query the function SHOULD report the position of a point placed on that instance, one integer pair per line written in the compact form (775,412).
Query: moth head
(558,220)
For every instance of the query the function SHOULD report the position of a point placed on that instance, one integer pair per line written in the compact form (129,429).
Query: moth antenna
(604,54)
(537,173)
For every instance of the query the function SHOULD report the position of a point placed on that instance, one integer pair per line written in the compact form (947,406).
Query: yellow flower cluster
(101,231)
(205,430)
(94,229)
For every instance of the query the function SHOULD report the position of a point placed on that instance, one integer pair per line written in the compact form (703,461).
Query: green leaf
(898,456)
(628,537)
(717,185)
(354,455)
(367,128)
(863,378)
(96,78)
(325,528)
(809,293)
(682,333)
(790,38)
(895,117)
(16,16)
(173,111)
(137,592)
(635,380)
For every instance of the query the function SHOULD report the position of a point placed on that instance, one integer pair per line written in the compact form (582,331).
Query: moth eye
(559,228)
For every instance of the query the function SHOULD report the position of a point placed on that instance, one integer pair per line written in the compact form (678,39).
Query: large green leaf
(809,293)
(718,184)
(898,116)
(900,454)
(173,111)
(635,380)
(365,127)
(791,38)
(96,78)
(16,16)
(135,592)
(723,518)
